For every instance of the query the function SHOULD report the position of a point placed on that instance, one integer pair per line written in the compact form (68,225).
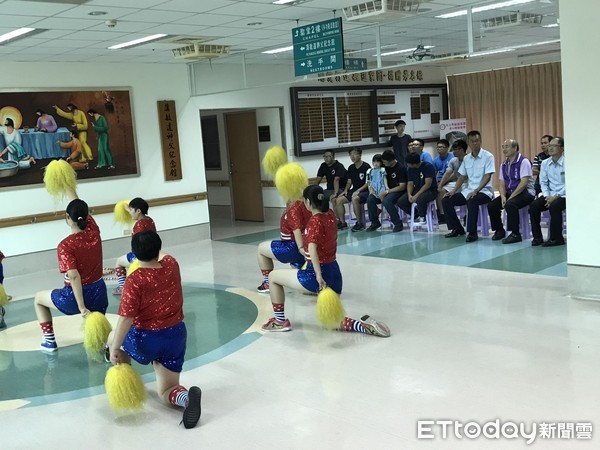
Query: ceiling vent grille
(384,10)
(511,20)
(197,51)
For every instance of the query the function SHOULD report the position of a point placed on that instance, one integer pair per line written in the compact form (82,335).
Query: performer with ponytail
(321,270)
(290,248)
(80,259)
(151,328)
(138,210)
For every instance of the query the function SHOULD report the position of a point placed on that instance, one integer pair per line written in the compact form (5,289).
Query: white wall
(148,84)
(267,100)
(581,91)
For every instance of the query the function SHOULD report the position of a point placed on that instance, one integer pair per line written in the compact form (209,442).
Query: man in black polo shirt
(395,175)
(399,142)
(355,192)
(335,174)
(422,186)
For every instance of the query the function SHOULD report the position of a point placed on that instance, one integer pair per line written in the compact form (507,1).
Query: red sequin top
(322,230)
(145,223)
(82,251)
(295,217)
(154,297)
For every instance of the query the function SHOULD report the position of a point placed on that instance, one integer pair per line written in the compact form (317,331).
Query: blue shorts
(286,252)
(131,257)
(331,274)
(165,346)
(94,298)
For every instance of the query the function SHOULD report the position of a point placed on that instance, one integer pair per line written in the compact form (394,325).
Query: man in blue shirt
(478,168)
(553,198)
(422,186)
(417,146)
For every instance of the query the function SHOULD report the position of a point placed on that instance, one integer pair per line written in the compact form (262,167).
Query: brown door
(242,144)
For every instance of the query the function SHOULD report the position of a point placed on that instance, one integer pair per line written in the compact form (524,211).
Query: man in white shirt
(553,198)
(478,167)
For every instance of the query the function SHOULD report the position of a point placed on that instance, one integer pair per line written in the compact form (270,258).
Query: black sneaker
(374,226)
(398,228)
(499,234)
(193,410)
(357,227)
(342,226)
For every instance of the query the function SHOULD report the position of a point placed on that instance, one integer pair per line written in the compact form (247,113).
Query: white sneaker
(375,327)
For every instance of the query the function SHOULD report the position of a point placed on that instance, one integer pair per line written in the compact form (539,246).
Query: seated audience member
(478,167)
(400,142)
(395,175)
(422,186)
(376,184)
(334,173)
(537,161)
(448,181)
(354,192)
(417,147)
(553,198)
(516,191)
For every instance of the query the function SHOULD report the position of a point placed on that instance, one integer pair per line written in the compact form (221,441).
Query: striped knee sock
(121,274)
(48,332)
(179,396)
(278,309)
(350,325)
(265,274)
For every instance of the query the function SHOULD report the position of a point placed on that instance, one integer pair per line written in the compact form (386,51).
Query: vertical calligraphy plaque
(169,138)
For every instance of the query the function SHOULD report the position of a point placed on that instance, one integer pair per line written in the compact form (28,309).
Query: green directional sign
(355,63)
(318,47)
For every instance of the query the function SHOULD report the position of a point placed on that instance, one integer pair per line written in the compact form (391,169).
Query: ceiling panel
(196,6)
(12,22)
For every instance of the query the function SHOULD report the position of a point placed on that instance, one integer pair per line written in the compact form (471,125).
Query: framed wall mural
(92,130)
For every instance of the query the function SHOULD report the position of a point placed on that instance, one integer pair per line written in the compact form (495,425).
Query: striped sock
(179,396)
(121,274)
(278,309)
(265,274)
(48,332)
(349,324)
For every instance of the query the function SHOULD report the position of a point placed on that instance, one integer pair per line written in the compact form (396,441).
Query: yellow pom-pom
(274,158)
(290,181)
(97,329)
(3,296)
(59,177)
(330,310)
(121,212)
(124,388)
(135,265)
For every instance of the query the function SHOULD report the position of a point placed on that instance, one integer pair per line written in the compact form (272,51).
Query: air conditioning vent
(511,20)
(384,10)
(197,52)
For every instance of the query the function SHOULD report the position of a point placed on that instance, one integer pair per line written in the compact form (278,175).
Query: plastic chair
(483,219)
(524,223)
(430,217)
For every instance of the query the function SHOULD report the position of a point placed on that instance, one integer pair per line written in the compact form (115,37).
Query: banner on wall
(453,129)
(169,137)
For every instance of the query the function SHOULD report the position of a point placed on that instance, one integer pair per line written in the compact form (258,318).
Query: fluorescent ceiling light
(283,2)
(492,52)
(552,25)
(279,50)
(463,12)
(406,50)
(15,33)
(137,41)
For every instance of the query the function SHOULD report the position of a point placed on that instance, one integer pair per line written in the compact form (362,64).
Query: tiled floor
(468,343)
